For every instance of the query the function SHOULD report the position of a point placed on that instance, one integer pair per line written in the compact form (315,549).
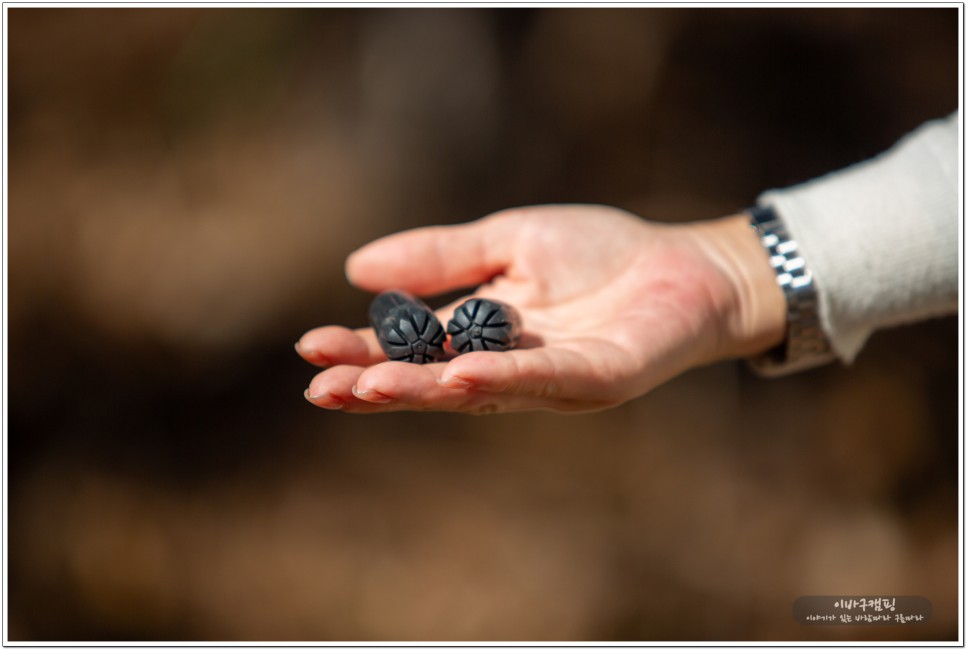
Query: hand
(612,306)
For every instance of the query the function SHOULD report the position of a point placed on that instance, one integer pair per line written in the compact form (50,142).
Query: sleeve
(881,237)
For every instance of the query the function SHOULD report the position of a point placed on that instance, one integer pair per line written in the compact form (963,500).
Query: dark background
(184,186)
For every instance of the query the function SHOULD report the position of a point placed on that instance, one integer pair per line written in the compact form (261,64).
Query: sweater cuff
(881,237)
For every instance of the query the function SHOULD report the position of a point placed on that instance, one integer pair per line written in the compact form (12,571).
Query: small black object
(407,329)
(484,325)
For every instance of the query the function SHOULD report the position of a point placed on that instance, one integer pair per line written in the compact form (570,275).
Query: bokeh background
(184,186)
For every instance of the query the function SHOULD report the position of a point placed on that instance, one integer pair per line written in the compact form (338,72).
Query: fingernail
(312,356)
(370,395)
(325,400)
(454,382)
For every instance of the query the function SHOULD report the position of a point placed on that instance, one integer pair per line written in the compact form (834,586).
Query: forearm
(880,238)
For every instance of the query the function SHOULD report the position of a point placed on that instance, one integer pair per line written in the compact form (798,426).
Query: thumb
(435,259)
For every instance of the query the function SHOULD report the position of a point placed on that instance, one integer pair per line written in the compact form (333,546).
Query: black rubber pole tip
(484,325)
(407,329)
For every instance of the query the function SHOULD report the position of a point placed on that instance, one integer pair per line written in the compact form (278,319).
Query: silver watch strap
(805,344)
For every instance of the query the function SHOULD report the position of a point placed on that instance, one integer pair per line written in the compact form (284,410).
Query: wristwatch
(805,345)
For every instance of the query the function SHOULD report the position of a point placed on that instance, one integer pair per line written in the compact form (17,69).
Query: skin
(612,306)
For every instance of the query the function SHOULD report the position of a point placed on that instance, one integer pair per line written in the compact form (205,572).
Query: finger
(395,386)
(333,390)
(335,345)
(558,374)
(436,259)
(400,383)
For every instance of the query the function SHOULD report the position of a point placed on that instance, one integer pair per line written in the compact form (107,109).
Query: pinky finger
(562,377)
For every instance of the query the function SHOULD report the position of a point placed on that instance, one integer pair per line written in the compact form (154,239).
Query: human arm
(615,305)
(880,237)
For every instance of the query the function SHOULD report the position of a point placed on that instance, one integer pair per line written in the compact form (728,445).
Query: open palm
(612,306)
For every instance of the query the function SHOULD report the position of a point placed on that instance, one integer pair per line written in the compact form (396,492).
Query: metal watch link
(805,344)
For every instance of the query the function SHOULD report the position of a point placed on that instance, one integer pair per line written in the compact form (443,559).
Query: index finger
(435,259)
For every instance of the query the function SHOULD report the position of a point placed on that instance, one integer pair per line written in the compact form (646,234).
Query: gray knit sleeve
(881,237)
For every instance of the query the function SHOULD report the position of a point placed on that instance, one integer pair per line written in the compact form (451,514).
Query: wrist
(754,317)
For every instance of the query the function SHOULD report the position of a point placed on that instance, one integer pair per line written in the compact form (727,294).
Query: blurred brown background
(184,187)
